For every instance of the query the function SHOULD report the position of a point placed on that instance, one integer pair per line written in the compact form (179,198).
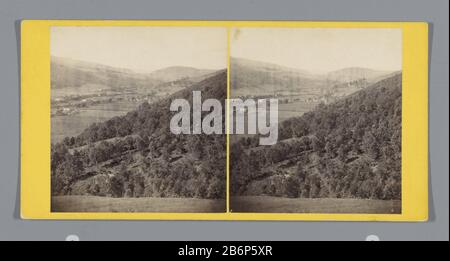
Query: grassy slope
(267,204)
(161,205)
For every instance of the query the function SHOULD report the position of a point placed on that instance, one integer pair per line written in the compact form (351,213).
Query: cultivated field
(73,125)
(267,204)
(289,110)
(162,205)
(294,109)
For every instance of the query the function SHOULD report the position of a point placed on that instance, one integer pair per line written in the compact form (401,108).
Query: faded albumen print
(339,94)
(111,93)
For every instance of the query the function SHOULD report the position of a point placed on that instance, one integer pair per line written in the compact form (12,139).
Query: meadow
(268,204)
(73,124)
(130,205)
(294,109)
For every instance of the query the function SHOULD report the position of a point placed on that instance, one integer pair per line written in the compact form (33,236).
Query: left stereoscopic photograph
(112,149)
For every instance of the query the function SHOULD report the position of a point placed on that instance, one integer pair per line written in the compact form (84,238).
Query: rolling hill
(136,155)
(347,149)
(356,73)
(174,73)
(250,78)
(70,73)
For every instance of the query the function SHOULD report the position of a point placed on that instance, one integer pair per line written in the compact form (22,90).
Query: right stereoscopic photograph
(330,139)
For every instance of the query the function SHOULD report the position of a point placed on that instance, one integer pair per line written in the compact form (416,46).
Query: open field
(294,109)
(87,89)
(267,204)
(162,205)
(74,124)
(287,110)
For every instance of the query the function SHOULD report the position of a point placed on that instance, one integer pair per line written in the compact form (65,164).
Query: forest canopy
(347,149)
(136,155)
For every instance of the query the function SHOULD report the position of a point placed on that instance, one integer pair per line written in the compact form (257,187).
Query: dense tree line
(136,155)
(347,149)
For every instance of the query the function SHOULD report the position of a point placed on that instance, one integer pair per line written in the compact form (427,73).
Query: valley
(336,153)
(133,155)
(84,93)
(298,91)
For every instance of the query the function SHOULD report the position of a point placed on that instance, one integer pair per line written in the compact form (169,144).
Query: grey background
(433,11)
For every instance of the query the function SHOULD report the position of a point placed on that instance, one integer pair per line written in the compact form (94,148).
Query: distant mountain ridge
(250,76)
(67,72)
(355,73)
(174,73)
(86,65)
(268,67)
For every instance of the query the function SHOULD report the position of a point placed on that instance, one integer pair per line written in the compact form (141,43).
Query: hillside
(356,73)
(174,73)
(136,155)
(268,67)
(347,149)
(248,77)
(66,72)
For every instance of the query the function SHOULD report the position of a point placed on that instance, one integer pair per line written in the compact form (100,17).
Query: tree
(139,186)
(129,143)
(141,143)
(316,144)
(92,154)
(116,188)
(292,187)
(329,148)
(370,145)
(215,188)
(128,189)
(341,153)
(195,146)
(165,155)
(58,155)
(73,166)
(314,191)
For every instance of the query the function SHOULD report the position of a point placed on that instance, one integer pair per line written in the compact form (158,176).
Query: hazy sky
(142,48)
(321,49)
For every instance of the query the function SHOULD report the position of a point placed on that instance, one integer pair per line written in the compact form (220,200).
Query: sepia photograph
(339,93)
(111,145)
